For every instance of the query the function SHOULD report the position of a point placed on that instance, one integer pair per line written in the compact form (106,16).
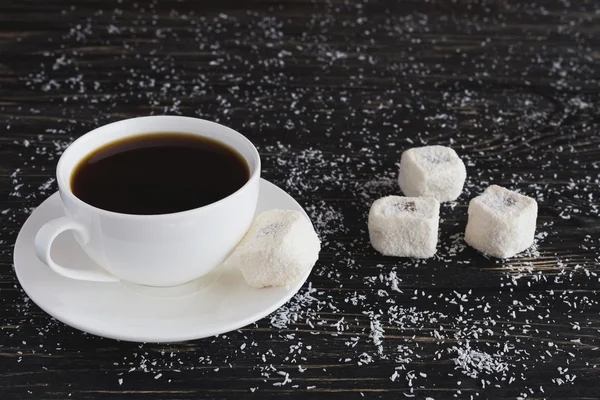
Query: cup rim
(65,187)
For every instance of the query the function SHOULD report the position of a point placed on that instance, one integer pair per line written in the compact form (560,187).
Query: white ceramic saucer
(212,305)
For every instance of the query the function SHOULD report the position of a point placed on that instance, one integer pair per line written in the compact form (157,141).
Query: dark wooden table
(331,92)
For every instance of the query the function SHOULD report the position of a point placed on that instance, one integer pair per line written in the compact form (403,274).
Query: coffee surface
(159,174)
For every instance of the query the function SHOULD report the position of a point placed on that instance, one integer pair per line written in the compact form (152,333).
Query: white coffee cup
(154,250)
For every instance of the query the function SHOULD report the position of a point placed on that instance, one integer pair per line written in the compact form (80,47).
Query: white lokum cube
(278,249)
(501,222)
(432,171)
(405,226)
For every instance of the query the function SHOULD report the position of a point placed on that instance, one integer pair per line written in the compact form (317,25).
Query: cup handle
(43,244)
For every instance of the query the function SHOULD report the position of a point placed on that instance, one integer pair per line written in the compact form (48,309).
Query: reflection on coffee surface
(159,173)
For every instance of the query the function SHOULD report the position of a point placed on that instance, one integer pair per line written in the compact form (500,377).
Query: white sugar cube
(278,249)
(501,222)
(432,171)
(405,226)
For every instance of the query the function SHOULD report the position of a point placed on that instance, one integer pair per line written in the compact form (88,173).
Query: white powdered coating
(405,226)
(279,247)
(501,222)
(432,171)
(474,363)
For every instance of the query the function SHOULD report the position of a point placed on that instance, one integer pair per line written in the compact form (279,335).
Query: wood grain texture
(331,92)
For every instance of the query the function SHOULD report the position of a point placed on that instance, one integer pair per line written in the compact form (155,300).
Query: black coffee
(159,174)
